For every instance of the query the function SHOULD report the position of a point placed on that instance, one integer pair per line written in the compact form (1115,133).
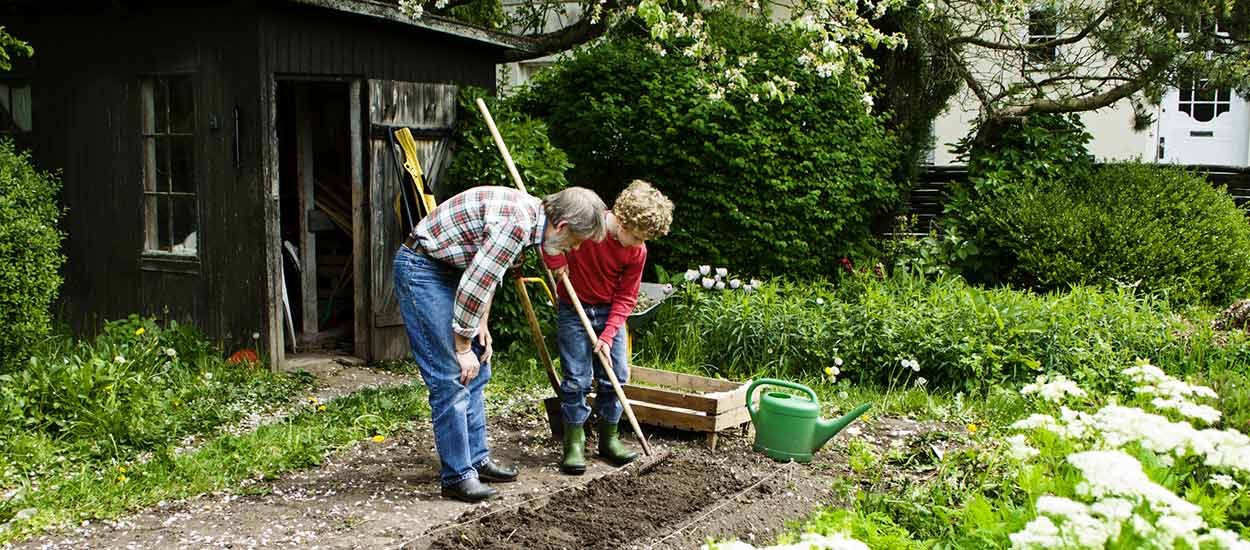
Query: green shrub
(477,161)
(775,187)
(136,387)
(29,252)
(1007,162)
(961,335)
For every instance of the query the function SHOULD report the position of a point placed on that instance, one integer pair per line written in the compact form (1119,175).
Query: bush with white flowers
(1133,475)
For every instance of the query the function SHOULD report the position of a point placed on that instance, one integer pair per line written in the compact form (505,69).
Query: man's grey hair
(581,208)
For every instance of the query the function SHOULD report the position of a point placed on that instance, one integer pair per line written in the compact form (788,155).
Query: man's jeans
(576,357)
(426,290)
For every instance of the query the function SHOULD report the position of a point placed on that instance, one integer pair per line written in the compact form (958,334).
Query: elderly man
(445,276)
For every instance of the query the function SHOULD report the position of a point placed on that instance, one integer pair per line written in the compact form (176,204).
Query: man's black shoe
(469,490)
(494,473)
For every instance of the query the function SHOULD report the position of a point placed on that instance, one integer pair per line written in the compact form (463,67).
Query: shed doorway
(318,172)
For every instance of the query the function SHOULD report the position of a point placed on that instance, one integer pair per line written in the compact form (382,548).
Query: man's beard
(555,245)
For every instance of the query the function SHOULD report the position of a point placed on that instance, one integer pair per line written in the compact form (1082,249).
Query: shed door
(429,110)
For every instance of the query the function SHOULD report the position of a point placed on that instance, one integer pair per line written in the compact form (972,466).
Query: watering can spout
(826,429)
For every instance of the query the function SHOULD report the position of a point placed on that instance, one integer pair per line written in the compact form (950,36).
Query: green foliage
(962,336)
(476,160)
(29,252)
(1006,161)
(11,47)
(1159,228)
(136,387)
(776,187)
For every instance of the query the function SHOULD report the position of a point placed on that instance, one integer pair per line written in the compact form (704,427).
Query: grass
(66,492)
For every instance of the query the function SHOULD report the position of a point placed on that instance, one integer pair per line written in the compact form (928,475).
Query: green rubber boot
(574,461)
(610,446)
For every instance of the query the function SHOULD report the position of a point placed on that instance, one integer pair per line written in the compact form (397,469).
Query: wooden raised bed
(679,401)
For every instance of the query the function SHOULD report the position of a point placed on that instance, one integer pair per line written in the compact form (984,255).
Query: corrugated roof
(391,12)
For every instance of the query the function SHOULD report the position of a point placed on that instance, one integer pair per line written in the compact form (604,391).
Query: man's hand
(484,338)
(469,365)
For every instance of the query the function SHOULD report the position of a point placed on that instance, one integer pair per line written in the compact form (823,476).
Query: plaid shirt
(482,231)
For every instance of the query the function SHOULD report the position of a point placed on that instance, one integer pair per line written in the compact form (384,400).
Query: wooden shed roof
(389,11)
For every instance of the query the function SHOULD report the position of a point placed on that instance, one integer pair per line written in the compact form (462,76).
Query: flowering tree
(1020,57)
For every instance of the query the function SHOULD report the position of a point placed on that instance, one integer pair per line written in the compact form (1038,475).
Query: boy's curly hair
(643,210)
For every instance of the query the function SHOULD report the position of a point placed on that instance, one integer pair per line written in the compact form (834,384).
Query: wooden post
(360,228)
(308,241)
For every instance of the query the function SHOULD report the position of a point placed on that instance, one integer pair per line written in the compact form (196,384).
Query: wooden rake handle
(606,359)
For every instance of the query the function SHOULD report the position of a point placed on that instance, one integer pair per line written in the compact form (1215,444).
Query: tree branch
(990,44)
(1089,103)
(580,32)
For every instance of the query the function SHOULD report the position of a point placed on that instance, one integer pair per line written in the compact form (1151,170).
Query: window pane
(1204,94)
(147,90)
(1187,108)
(1204,112)
(185,234)
(162,164)
(22,108)
(182,164)
(1222,94)
(1221,108)
(164,224)
(161,106)
(181,105)
(1187,94)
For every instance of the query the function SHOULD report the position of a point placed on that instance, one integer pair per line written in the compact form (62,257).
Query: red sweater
(604,272)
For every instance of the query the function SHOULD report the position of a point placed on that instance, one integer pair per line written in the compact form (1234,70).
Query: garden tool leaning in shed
(789,427)
(568,286)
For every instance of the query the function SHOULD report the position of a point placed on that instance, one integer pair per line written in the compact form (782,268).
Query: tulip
(705,269)
(722,272)
(720,285)
(735,283)
(692,275)
(708,283)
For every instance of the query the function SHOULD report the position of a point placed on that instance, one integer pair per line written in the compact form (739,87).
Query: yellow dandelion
(379,438)
(321,408)
(139,331)
(121,479)
(312,399)
(121,469)
(972,428)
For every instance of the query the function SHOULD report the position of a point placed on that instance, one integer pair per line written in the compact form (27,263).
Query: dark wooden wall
(90,57)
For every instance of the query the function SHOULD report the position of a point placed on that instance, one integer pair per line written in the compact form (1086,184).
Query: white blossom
(1188,409)
(708,283)
(735,283)
(119,360)
(722,272)
(1054,390)
(1225,481)
(705,270)
(692,275)
(1020,448)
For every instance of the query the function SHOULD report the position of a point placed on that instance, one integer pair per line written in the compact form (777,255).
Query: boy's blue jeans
(576,359)
(427,290)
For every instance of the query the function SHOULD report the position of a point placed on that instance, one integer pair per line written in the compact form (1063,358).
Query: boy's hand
(560,272)
(602,347)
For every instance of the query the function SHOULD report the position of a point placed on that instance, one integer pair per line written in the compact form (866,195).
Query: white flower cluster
(720,279)
(1115,482)
(808,541)
(1054,390)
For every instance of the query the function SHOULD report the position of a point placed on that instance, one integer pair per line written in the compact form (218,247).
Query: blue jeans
(427,290)
(576,359)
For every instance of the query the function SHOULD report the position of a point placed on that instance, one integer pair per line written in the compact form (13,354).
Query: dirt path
(385,495)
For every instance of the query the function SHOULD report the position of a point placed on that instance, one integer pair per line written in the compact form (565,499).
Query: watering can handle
(775,382)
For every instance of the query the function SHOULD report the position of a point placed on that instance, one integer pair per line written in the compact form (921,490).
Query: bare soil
(385,495)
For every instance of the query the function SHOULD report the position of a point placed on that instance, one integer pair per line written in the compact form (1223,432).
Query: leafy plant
(30,254)
(773,187)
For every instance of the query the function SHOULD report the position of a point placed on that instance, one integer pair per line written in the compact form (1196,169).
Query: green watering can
(789,427)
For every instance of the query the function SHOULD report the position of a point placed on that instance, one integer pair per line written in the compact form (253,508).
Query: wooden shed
(218,156)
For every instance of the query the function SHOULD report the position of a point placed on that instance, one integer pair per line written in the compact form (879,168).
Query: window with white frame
(1203,103)
(170,210)
(15,107)
(1043,27)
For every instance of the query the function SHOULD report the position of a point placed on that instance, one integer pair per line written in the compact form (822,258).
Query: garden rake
(568,286)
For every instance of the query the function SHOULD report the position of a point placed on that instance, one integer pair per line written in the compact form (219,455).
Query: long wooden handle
(607,363)
(507,160)
(503,148)
(537,334)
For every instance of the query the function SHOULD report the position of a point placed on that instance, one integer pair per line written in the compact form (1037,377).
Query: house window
(169,185)
(1043,27)
(15,108)
(1202,103)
